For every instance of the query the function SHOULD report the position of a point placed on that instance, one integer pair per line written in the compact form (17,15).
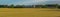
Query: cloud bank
(29,2)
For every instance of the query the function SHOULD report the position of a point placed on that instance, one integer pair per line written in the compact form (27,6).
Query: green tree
(12,5)
(51,5)
(5,6)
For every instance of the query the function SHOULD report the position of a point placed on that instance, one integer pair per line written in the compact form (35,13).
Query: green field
(29,12)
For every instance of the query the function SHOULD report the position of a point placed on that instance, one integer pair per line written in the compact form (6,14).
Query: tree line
(31,6)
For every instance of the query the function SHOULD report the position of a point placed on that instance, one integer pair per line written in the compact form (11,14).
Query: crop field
(29,12)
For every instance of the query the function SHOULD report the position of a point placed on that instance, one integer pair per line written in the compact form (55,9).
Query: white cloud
(40,0)
(27,2)
(53,2)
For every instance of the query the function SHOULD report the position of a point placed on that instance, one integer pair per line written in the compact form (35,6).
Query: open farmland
(29,12)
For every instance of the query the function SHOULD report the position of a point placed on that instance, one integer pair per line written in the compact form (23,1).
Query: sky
(29,2)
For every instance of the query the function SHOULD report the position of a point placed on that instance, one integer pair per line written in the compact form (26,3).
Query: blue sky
(29,2)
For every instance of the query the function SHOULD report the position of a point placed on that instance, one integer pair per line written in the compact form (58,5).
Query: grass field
(29,12)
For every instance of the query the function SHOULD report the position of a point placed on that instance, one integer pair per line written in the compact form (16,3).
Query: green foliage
(58,7)
(23,6)
(12,6)
(44,6)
